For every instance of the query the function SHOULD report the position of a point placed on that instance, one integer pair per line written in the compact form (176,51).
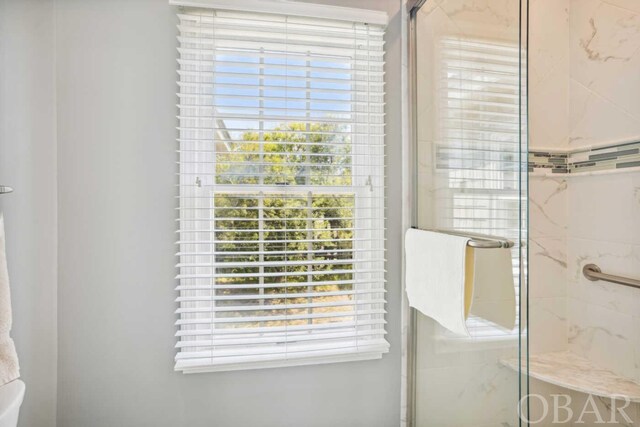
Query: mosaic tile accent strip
(610,157)
(544,160)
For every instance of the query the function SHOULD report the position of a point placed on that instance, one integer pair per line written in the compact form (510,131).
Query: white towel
(494,293)
(437,267)
(9,369)
(446,280)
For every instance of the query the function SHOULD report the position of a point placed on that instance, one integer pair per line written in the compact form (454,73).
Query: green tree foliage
(301,234)
(293,154)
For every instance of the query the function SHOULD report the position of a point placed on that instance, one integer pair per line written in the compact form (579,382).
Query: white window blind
(281,216)
(478,158)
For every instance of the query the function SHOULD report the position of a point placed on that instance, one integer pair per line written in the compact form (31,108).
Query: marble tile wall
(604,218)
(604,71)
(583,93)
(455,386)
(573,415)
(604,318)
(549,56)
(547,263)
(583,72)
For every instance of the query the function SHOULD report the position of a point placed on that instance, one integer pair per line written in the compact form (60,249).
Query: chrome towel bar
(593,273)
(479,241)
(5,190)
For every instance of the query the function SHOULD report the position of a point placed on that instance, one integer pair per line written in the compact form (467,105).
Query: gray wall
(28,162)
(116,122)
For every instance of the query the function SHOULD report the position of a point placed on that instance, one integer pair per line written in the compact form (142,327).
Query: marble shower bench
(574,372)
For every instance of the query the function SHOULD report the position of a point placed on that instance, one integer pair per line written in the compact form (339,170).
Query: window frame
(361,185)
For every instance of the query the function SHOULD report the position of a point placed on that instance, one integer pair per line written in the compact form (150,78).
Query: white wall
(28,163)
(116,64)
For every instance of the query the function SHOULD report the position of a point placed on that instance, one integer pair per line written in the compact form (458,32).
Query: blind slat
(274,318)
(236,332)
(277,296)
(283,338)
(332,283)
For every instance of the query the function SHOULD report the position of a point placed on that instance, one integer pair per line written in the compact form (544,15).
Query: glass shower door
(469,88)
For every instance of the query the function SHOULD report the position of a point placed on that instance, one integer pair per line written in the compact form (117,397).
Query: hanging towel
(9,369)
(439,276)
(494,294)
(447,280)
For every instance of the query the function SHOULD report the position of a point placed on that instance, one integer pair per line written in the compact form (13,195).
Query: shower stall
(469,165)
(525,126)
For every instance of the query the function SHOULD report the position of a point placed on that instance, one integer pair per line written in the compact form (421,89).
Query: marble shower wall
(604,210)
(549,60)
(604,71)
(584,76)
(603,317)
(549,56)
(547,263)
(584,79)
(597,219)
(591,85)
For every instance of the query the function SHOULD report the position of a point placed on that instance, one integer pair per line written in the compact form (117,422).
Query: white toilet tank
(11,396)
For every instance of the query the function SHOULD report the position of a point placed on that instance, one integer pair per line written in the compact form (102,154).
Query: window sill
(198,366)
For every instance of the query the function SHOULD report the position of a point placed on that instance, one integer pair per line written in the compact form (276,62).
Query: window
(477,161)
(281,215)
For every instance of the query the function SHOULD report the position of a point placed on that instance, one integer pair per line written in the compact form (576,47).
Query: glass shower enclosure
(469,89)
